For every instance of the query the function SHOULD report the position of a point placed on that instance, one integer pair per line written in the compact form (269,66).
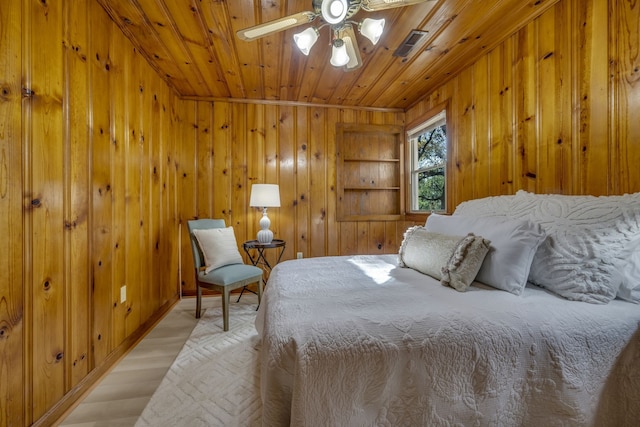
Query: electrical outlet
(299,255)
(123,294)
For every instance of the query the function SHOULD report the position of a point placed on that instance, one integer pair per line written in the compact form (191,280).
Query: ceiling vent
(410,42)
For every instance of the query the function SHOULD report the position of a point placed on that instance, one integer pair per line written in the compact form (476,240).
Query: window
(428,153)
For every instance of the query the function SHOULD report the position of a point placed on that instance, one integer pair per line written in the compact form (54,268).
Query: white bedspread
(358,341)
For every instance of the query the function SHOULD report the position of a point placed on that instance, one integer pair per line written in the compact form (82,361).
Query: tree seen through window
(429,151)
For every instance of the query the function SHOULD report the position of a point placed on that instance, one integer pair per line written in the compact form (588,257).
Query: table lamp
(265,196)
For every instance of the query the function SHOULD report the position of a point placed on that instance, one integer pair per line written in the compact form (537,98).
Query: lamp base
(265,236)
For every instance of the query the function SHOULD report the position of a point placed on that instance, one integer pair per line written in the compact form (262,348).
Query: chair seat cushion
(230,274)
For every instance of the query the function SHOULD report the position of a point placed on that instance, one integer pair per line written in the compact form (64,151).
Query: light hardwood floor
(119,399)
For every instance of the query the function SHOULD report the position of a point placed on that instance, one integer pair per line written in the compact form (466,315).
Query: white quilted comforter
(358,341)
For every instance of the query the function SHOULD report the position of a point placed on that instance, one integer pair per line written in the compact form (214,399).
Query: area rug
(214,380)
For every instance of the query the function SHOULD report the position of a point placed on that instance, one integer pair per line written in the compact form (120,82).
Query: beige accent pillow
(454,260)
(218,246)
(465,262)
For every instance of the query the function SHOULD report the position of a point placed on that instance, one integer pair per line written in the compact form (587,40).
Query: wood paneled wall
(227,146)
(553,109)
(88,202)
(100,165)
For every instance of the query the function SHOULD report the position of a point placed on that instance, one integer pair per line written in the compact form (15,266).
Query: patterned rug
(214,381)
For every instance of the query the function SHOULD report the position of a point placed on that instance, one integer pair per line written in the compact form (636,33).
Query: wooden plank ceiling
(193,45)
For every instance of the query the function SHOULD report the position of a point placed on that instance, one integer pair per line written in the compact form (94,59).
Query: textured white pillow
(219,247)
(570,264)
(513,246)
(597,237)
(486,206)
(454,260)
(630,269)
(592,249)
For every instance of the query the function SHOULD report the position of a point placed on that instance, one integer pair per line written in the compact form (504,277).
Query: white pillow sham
(592,238)
(513,246)
(597,235)
(569,264)
(219,247)
(630,269)
(454,260)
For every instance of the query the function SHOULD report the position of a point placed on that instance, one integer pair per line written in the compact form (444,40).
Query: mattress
(357,340)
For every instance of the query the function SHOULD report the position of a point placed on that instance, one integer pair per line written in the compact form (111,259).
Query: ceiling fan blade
(348,36)
(373,5)
(281,24)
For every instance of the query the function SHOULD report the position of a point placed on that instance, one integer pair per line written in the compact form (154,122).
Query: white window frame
(436,120)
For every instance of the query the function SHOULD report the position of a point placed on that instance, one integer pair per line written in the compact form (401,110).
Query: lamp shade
(306,39)
(372,29)
(265,196)
(339,55)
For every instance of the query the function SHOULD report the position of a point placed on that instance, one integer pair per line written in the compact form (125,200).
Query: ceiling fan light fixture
(334,11)
(337,14)
(339,55)
(306,39)
(371,29)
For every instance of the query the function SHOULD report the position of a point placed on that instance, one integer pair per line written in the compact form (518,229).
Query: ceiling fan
(336,14)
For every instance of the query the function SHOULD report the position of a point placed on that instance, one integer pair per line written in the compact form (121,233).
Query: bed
(363,340)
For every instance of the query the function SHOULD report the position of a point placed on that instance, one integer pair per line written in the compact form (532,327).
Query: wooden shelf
(369,167)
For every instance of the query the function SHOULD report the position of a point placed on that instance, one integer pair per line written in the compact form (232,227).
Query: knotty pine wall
(553,109)
(88,198)
(227,146)
(100,163)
